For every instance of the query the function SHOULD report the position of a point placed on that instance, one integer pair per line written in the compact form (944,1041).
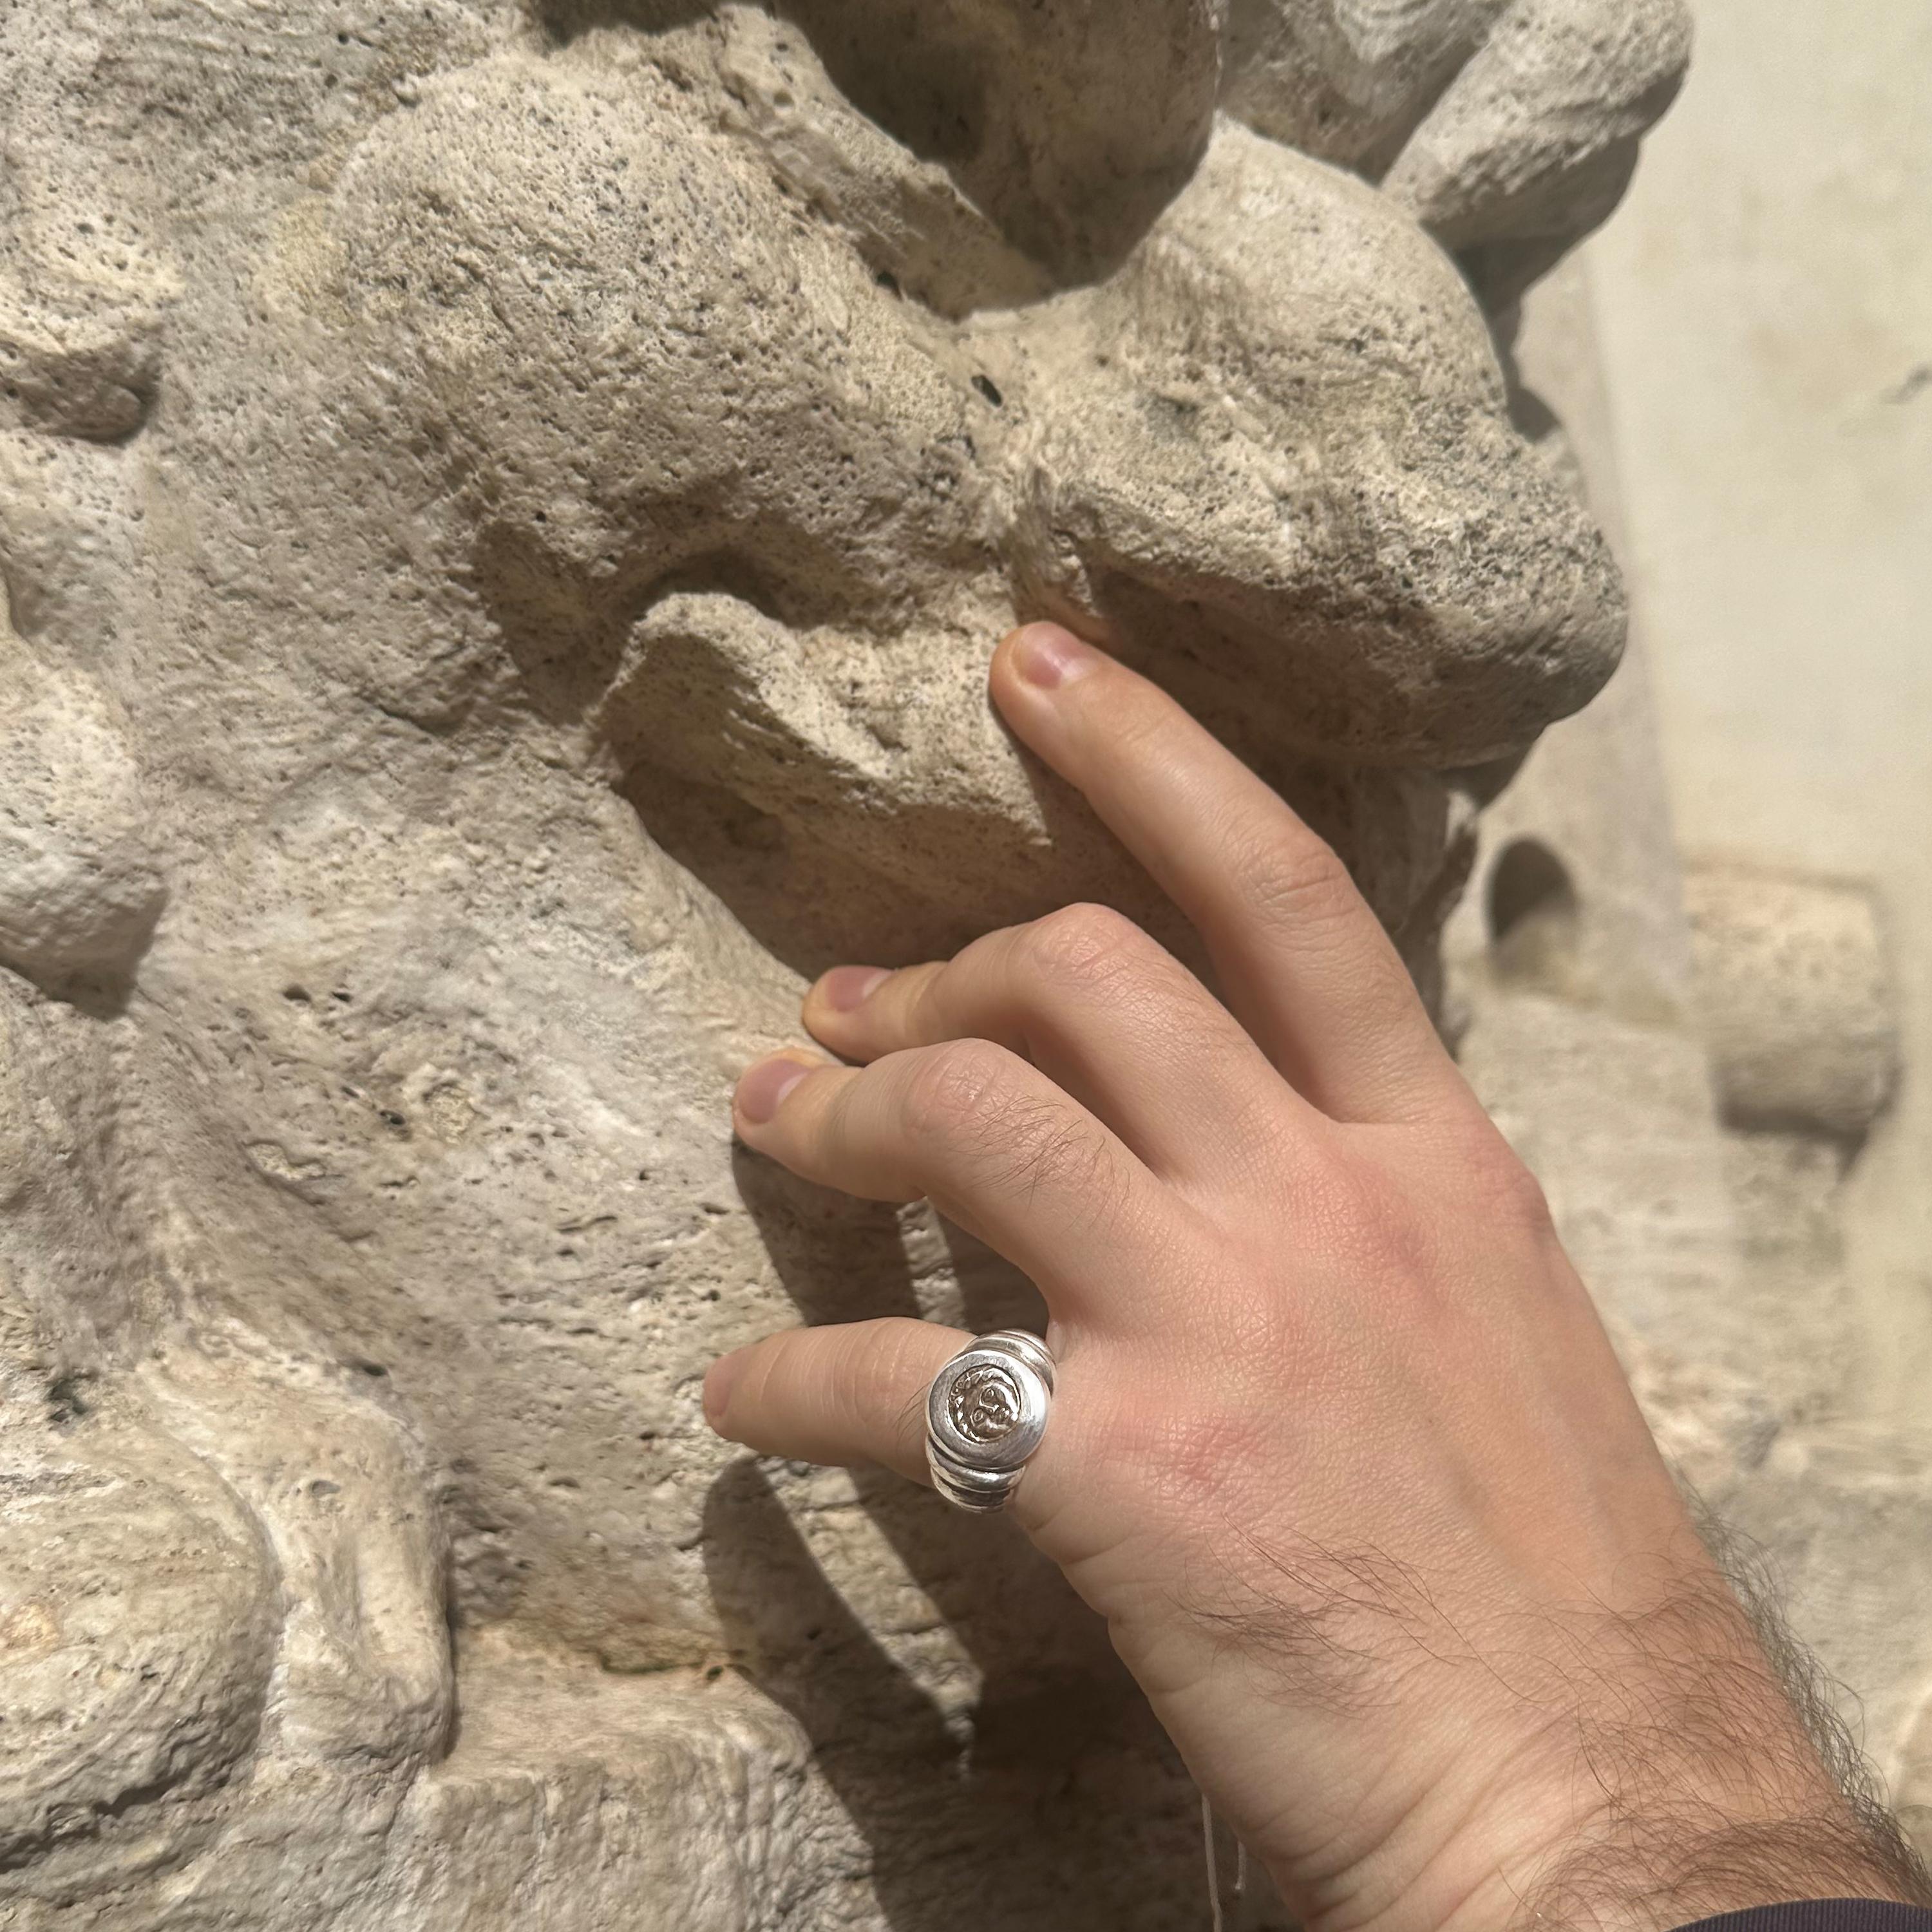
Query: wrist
(1742,1789)
(1683,1874)
(1647,1833)
(1681,1787)
(1546,1860)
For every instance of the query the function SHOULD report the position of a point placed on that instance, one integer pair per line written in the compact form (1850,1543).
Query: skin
(1340,1448)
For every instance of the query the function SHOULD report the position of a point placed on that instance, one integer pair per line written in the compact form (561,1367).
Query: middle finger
(1102,1010)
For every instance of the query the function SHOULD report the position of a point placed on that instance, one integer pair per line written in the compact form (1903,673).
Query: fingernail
(846,987)
(761,1088)
(1046,655)
(720,1380)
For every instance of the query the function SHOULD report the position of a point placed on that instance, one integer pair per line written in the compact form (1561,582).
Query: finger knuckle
(1081,946)
(1372,1224)
(1492,1174)
(881,1358)
(960,1089)
(766,1376)
(917,1001)
(1298,882)
(977,1116)
(1142,718)
(1046,1148)
(892,1375)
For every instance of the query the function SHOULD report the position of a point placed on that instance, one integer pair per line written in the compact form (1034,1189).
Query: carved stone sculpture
(503,514)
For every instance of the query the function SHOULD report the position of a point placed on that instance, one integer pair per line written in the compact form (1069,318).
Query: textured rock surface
(503,512)
(79,890)
(1794,999)
(1509,127)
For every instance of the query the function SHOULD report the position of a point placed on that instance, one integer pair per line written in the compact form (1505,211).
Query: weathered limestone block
(138,1620)
(1348,80)
(71,369)
(1296,431)
(1509,127)
(581,1800)
(504,510)
(80,893)
(1070,124)
(906,215)
(1534,142)
(1794,999)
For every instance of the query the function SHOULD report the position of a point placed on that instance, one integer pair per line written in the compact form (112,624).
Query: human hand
(1339,1447)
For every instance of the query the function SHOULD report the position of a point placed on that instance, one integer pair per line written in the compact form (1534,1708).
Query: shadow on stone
(1053,1796)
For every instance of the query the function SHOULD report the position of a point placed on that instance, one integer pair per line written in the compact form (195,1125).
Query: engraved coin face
(987,1408)
(985,1404)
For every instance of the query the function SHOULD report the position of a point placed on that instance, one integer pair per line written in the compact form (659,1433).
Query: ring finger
(843,1395)
(855,1394)
(1099,1008)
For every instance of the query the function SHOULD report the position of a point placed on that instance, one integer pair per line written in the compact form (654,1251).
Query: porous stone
(80,892)
(1509,127)
(504,511)
(1793,991)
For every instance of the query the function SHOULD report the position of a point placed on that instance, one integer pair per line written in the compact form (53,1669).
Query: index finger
(1303,963)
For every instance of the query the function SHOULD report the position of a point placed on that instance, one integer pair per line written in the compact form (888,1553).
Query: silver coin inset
(985,1404)
(986,1414)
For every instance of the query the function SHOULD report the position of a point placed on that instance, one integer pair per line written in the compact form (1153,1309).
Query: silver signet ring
(985,1414)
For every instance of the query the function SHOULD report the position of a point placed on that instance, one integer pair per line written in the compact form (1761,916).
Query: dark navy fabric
(1821,1915)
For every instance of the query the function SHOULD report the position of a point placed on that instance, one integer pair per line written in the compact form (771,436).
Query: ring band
(985,1414)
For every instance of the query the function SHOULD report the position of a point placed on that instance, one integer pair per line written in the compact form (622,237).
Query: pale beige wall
(1764,304)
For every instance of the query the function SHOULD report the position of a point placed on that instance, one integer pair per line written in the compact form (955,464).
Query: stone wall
(503,512)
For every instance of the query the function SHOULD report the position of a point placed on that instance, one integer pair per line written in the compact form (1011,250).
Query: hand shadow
(1056,1791)
(1057,1799)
